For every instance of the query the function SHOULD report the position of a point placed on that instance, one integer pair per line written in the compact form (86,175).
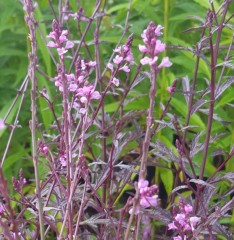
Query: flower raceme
(60,39)
(153,46)
(183,222)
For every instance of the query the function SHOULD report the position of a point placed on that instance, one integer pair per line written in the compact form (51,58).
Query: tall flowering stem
(31,22)
(151,48)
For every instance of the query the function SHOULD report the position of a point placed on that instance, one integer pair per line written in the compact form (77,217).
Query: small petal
(83,99)
(158,30)
(172,226)
(165,62)
(115,81)
(149,201)
(92,63)
(82,111)
(187,208)
(62,38)
(143,48)
(69,44)
(145,60)
(117,60)
(125,68)
(51,44)
(110,66)
(52,35)
(95,95)
(143,183)
(159,47)
(129,57)
(61,51)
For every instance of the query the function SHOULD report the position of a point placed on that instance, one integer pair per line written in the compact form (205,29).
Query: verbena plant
(126,142)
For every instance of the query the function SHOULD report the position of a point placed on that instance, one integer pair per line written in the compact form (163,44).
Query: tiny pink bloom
(73,87)
(45,150)
(180,217)
(24,181)
(83,99)
(62,38)
(172,226)
(193,221)
(158,30)
(82,111)
(117,49)
(51,44)
(125,68)
(63,161)
(110,66)
(92,63)
(95,95)
(143,183)
(117,60)
(70,77)
(165,62)
(188,208)
(143,48)
(69,44)
(115,81)
(52,35)
(129,57)
(160,47)
(149,201)
(81,79)
(2,124)
(179,238)
(61,51)
(150,61)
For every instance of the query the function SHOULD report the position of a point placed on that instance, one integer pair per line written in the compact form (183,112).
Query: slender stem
(31,22)
(15,123)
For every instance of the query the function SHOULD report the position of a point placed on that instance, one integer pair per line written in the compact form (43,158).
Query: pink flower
(188,209)
(165,62)
(110,66)
(88,93)
(129,57)
(92,63)
(150,61)
(143,48)
(125,68)
(159,47)
(147,201)
(158,30)
(51,44)
(2,124)
(172,226)
(115,81)
(143,183)
(117,60)
(193,221)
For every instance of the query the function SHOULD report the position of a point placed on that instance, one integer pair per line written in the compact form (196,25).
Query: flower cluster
(18,184)
(122,59)
(61,43)
(153,46)
(148,196)
(183,222)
